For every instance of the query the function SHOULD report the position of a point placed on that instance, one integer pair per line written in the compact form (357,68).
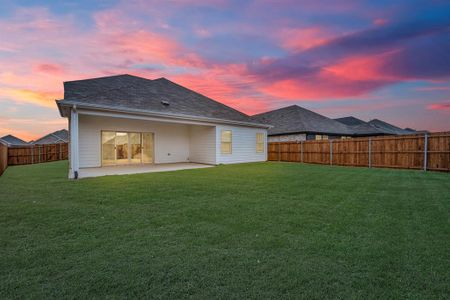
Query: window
(321,137)
(226,142)
(259,142)
(126,147)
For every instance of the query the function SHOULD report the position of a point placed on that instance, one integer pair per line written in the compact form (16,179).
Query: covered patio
(139,168)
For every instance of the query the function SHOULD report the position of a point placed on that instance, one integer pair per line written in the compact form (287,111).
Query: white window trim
(262,142)
(230,142)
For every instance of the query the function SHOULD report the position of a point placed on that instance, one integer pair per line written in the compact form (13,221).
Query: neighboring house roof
(60,136)
(11,140)
(296,119)
(350,121)
(389,128)
(161,96)
(359,127)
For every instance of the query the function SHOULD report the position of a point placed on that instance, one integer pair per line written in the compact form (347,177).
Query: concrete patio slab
(135,169)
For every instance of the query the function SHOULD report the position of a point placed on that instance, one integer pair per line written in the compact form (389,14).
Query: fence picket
(22,155)
(419,151)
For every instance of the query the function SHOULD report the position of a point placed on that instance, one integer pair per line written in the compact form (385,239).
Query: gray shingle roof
(161,95)
(12,140)
(60,136)
(296,119)
(388,128)
(359,127)
(350,121)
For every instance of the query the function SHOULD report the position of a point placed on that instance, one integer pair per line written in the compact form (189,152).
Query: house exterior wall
(243,145)
(297,137)
(171,141)
(202,147)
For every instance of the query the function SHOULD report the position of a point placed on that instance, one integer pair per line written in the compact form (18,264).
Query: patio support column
(74,156)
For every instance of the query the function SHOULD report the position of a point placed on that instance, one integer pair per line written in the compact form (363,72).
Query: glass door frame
(130,162)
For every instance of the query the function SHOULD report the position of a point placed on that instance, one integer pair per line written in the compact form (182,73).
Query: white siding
(171,140)
(202,144)
(243,145)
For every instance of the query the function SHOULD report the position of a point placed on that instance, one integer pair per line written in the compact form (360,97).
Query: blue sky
(371,59)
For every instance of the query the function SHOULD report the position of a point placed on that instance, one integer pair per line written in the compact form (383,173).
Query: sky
(370,59)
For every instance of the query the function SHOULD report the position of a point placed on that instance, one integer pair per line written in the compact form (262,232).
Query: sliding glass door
(108,148)
(126,147)
(147,147)
(122,148)
(135,147)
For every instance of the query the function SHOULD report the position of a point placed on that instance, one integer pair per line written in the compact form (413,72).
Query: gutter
(76,104)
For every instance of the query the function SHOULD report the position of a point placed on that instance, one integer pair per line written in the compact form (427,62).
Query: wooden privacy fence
(23,155)
(3,158)
(421,151)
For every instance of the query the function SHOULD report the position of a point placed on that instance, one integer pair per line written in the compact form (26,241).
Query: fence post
(60,151)
(425,153)
(331,152)
(32,154)
(39,154)
(370,152)
(301,149)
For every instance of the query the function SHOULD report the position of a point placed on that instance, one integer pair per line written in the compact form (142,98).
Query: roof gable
(60,136)
(158,96)
(351,121)
(359,127)
(294,119)
(12,140)
(388,128)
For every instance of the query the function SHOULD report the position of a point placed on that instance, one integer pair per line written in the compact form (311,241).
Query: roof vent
(165,103)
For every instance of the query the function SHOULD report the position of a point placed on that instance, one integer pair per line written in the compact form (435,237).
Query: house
(133,121)
(60,136)
(389,128)
(360,128)
(10,140)
(295,123)
(373,127)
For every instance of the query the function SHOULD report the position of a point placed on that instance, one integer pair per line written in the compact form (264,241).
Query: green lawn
(262,230)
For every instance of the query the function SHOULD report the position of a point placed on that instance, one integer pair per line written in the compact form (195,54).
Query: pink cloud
(349,77)
(298,39)
(29,129)
(380,22)
(37,97)
(360,68)
(49,68)
(433,88)
(444,107)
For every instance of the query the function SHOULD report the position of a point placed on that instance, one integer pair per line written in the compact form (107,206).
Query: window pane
(226,148)
(147,147)
(226,135)
(259,142)
(121,147)
(259,137)
(226,142)
(108,145)
(135,145)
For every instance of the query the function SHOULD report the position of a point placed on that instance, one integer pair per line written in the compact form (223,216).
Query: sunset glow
(363,58)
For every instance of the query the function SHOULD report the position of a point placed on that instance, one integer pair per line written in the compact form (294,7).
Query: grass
(262,230)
